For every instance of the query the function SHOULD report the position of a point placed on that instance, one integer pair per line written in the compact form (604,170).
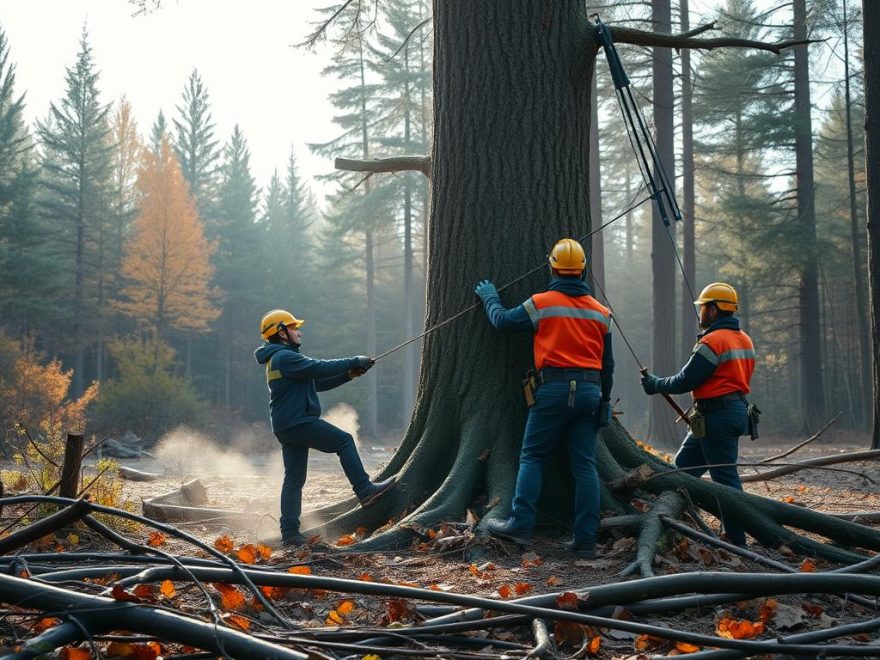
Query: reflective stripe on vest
(733,354)
(272,374)
(569,331)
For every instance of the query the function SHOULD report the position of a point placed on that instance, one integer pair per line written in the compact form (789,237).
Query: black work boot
(581,549)
(294,540)
(505,529)
(377,489)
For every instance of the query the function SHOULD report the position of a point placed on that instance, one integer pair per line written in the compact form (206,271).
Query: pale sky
(243,51)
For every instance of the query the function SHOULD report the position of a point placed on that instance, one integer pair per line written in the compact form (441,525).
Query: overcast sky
(243,51)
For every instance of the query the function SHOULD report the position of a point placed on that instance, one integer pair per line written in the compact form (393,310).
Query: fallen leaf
(300,570)
(504,591)
(167,589)
(156,539)
(119,650)
(73,653)
(648,642)
(118,592)
(595,643)
(553,581)
(247,554)
(224,544)
(738,628)
(145,591)
(44,623)
(684,647)
(264,551)
(345,607)
(230,597)
(396,610)
(73,539)
(567,601)
(346,539)
(531,559)
(366,577)
(239,622)
(522,588)
(808,566)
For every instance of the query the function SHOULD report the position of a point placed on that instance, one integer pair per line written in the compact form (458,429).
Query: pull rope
(474,306)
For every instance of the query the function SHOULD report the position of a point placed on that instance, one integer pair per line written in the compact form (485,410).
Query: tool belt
(718,402)
(697,419)
(534,379)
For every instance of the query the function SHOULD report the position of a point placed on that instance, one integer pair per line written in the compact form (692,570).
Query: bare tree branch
(394,164)
(686,40)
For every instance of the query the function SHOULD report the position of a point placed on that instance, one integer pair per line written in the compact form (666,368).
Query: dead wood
(137,475)
(813,462)
(69,514)
(182,505)
(813,437)
(71,469)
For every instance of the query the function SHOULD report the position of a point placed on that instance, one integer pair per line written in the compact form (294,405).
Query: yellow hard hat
(273,321)
(720,293)
(568,257)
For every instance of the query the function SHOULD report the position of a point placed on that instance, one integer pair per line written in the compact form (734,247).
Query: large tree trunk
(871,25)
(689,328)
(510,161)
(597,245)
(663,354)
(812,391)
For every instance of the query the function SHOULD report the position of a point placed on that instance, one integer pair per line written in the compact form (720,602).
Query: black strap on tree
(637,130)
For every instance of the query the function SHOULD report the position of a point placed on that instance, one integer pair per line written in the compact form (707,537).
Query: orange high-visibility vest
(733,354)
(569,332)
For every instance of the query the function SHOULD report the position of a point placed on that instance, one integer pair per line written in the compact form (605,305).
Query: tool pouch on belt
(530,383)
(697,421)
(754,416)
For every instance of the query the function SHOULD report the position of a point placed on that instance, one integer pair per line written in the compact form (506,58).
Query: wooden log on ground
(137,475)
(178,506)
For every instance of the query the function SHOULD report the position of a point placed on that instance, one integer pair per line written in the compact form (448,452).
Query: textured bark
(662,430)
(597,247)
(812,390)
(871,26)
(71,469)
(688,328)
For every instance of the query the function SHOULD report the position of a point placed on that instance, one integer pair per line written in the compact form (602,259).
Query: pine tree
(77,144)
(158,132)
(194,143)
(167,263)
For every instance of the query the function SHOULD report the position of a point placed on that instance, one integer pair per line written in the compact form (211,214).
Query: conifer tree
(77,145)
(195,144)
(158,131)
(167,263)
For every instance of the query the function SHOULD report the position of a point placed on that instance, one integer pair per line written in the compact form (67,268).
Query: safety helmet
(568,257)
(273,321)
(720,293)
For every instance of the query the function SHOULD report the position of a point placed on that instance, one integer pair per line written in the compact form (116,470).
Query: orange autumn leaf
(345,607)
(522,588)
(167,589)
(567,601)
(346,539)
(73,653)
(684,647)
(767,610)
(788,499)
(808,566)
(264,551)
(300,570)
(334,618)
(504,591)
(595,643)
(119,650)
(238,621)
(118,592)
(224,544)
(553,581)
(647,642)
(230,597)
(148,651)
(156,539)
(738,628)
(365,577)
(44,623)
(247,554)
(397,609)
(146,591)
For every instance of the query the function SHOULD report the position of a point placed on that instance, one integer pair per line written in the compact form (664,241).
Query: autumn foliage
(167,261)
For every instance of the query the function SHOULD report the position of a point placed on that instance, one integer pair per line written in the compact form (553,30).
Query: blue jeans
(295,444)
(724,426)
(551,422)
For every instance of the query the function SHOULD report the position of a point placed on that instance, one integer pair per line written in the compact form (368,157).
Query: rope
(474,306)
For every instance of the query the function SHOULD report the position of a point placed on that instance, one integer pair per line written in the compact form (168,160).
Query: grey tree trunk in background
(871,27)
(663,344)
(597,244)
(812,390)
(688,318)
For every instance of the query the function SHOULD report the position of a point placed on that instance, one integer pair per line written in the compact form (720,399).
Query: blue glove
(603,415)
(650,383)
(363,363)
(484,289)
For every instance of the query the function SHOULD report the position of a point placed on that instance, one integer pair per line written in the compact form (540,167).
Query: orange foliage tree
(167,265)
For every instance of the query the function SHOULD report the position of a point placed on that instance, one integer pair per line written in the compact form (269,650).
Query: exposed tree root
(651,529)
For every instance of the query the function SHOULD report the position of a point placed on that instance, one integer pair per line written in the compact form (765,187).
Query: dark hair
(275,339)
(722,313)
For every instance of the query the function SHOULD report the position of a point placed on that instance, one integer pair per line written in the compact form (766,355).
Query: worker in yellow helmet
(718,374)
(575,366)
(294,381)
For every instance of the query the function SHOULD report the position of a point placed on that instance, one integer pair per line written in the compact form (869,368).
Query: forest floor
(252,484)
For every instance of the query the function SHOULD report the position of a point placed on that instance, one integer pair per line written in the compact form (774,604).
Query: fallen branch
(642,38)
(848,457)
(543,644)
(137,475)
(66,516)
(813,437)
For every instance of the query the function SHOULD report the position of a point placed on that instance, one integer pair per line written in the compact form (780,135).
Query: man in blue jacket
(294,381)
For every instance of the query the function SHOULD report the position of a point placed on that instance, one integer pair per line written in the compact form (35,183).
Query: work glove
(363,363)
(650,383)
(484,289)
(603,415)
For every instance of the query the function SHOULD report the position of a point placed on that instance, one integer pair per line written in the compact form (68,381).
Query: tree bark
(71,469)
(871,26)
(812,390)
(597,246)
(688,329)
(662,430)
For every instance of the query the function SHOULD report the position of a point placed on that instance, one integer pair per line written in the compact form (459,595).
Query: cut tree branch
(687,40)
(393,164)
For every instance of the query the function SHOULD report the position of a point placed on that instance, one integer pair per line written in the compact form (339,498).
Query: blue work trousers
(553,422)
(720,447)
(295,444)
